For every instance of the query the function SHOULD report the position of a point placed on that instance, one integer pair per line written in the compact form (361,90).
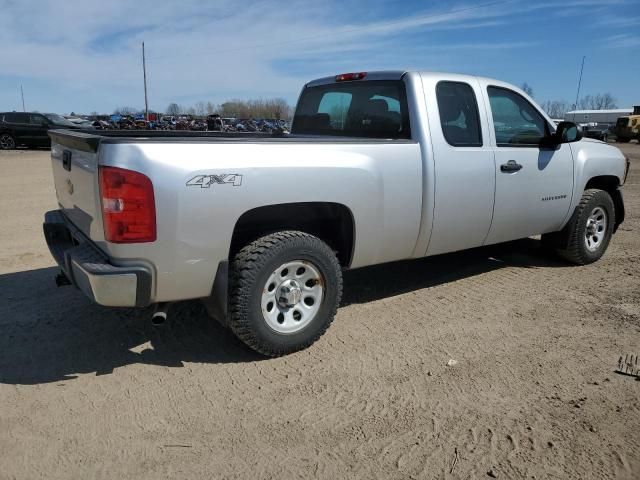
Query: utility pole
(578,92)
(144,73)
(22,93)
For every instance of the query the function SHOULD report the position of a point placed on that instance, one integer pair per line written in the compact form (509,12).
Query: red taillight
(128,206)
(345,77)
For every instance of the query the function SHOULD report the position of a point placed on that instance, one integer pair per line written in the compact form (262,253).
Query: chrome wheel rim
(6,142)
(596,229)
(292,296)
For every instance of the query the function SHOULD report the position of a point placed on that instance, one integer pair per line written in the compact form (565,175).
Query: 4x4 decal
(205,181)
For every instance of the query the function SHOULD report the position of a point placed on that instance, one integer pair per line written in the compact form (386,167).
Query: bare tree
(555,108)
(604,101)
(277,108)
(526,88)
(585,102)
(201,109)
(235,108)
(174,109)
(599,101)
(211,108)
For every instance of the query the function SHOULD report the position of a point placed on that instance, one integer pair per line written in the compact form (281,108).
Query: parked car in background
(29,129)
(215,123)
(79,121)
(595,130)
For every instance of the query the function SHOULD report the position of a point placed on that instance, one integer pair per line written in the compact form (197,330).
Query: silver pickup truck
(379,166)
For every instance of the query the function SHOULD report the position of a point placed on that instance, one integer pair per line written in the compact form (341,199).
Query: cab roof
(398,74)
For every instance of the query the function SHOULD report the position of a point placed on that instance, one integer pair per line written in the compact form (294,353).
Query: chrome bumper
(89,269)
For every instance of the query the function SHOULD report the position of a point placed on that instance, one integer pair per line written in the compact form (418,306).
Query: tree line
(280,109)
(599,101)
(558,108)
(255,108)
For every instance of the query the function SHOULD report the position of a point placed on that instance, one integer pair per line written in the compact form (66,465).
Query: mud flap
(216,303)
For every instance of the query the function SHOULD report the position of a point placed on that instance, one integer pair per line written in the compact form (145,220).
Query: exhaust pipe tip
(158,318)
(160,315)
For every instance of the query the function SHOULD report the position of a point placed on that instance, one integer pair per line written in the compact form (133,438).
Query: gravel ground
(91,392)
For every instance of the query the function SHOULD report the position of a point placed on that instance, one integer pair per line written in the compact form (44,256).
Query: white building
(597,116)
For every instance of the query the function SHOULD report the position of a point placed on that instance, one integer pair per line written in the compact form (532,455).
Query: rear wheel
(589,232)
(7,142)
(284,292)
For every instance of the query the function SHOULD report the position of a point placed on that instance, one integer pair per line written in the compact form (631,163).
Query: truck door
(533,184)
(464,170)
(21,126)
(39,128)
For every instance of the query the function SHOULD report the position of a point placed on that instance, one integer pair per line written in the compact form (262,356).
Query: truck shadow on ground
(54,334)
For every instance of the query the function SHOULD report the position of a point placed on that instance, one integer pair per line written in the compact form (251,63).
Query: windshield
(59,120)
(374,109)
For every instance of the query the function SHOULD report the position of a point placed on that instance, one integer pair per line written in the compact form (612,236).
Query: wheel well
(610,184)
(331,222)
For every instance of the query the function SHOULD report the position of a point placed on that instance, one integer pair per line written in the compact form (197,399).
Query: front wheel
(7,142)
(284,292)
(590,229)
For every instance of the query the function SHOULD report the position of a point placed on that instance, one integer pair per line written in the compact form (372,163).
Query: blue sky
(84,56)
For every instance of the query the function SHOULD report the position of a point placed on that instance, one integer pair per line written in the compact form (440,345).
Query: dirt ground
(91,392)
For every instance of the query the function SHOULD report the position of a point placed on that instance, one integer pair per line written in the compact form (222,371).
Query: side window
(515,120)
(336,105)
(37,120)
(15,117)
(459,114)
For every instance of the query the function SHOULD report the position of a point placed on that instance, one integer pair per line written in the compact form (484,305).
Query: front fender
(594,159)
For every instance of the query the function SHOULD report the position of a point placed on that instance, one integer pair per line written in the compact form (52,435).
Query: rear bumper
(89,269)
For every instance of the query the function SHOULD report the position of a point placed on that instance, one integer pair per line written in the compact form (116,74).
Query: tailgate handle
(66,160)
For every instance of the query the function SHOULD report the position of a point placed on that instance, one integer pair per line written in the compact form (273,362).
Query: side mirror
(568,132)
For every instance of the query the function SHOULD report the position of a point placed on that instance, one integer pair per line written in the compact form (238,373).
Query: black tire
(250,271)
(622,139)
(573,236)
(7,142)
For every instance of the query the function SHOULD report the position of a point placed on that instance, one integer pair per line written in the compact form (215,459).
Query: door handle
(510,166)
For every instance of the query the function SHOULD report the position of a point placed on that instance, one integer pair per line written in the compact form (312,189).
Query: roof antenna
(575,106)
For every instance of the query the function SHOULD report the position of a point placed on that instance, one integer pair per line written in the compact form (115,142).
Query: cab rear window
(369,109)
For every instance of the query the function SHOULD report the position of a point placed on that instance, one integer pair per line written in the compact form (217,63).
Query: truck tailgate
(75,174)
